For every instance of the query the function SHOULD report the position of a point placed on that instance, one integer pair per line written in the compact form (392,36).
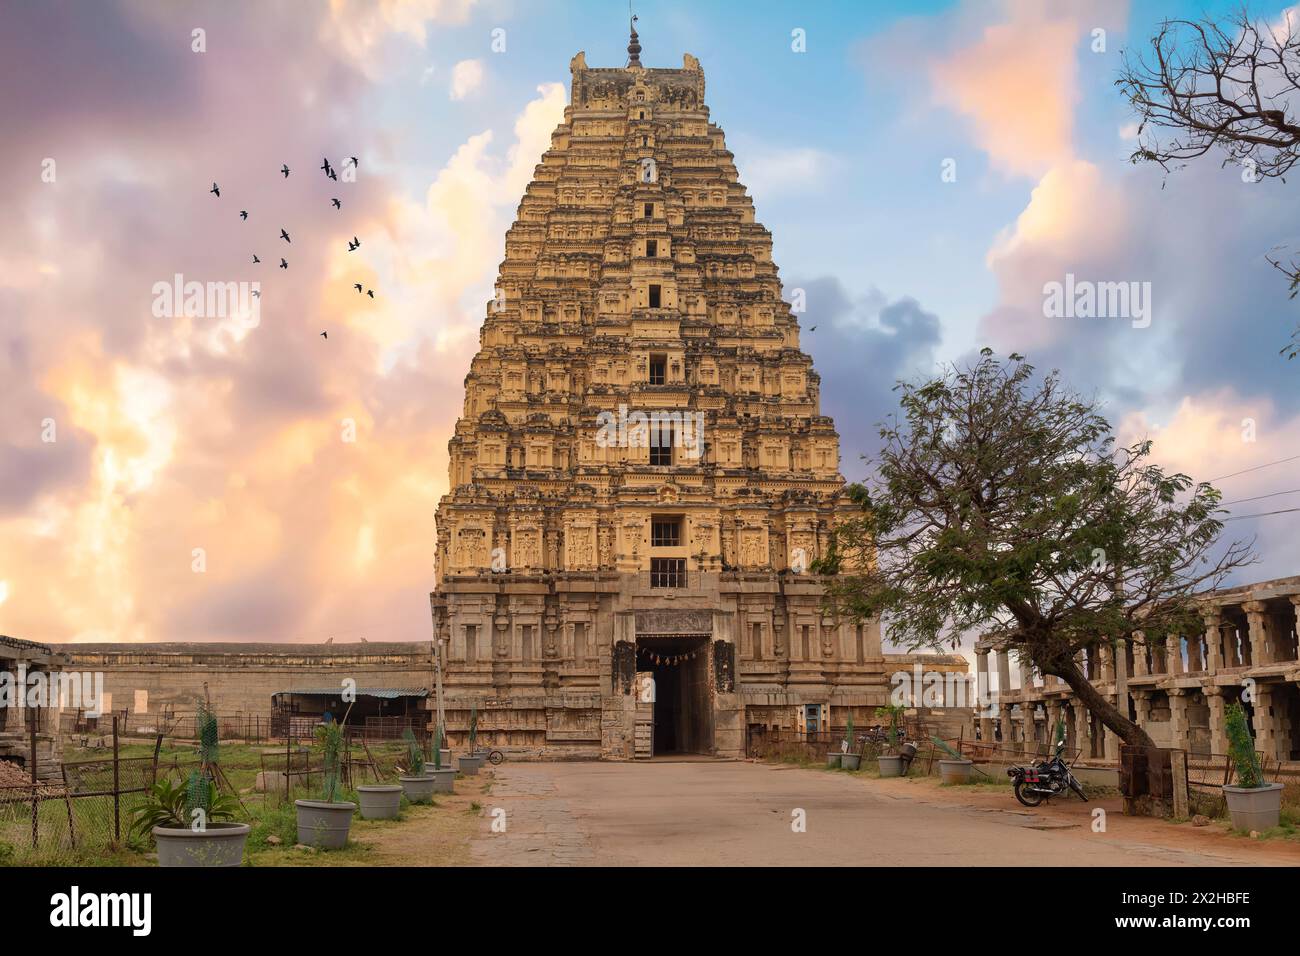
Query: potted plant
(443,779)
(325,822)
(954,768)
(191,823)
(1252,803)
(470,764)
(417,784)
(850,756)
(891,761)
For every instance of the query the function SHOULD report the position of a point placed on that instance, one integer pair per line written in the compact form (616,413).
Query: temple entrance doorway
(680,711)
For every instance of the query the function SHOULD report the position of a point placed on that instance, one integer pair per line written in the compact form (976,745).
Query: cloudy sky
(201,478)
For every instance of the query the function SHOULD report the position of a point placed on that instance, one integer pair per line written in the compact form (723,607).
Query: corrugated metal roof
(388,693)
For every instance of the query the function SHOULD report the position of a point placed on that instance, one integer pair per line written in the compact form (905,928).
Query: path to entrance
(738,813)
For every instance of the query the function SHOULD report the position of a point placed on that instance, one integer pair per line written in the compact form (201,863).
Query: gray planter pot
(380,801)
(221,844)
(851,761)
(956,771)
(891,766)
(443,780)
(322,824)
(833,759)
(469,765)
(1256,808)
(418,789)
(446,757)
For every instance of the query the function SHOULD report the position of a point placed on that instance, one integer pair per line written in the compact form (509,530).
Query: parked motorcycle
(1044,779)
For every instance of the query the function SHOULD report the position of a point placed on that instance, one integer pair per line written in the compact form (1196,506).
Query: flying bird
(283,264)
(325,165)
(371,293)
(354,244)
(285,169)
(215,190)
(255,259)
(285,236)
(324,335)
(337,203)
(243,214)
(352,160)
(257,294)
(357,286)
(333,175)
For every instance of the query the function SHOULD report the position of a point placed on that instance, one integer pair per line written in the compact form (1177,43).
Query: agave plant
(330,739)
(414,752)
(168,803)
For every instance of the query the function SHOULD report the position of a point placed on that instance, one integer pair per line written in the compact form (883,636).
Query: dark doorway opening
(683,696)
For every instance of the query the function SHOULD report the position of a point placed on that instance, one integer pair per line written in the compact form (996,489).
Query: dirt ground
(752,814)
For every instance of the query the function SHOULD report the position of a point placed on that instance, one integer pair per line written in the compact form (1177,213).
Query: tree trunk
(1125,729)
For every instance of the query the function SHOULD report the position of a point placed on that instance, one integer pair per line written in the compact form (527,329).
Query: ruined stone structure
(1176,686)
(642,477)
(144,681)
(21,663)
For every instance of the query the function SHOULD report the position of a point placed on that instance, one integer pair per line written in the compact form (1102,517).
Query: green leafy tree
(1002,506)
(1242,747)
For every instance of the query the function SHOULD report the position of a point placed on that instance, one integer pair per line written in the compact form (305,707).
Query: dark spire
(634,47)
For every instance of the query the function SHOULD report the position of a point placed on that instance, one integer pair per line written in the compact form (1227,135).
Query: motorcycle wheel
(496,757)
(1027,796)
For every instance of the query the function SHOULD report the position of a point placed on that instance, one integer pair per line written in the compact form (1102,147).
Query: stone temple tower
(642,478)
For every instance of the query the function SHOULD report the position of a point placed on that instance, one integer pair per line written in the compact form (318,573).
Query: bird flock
(353,244)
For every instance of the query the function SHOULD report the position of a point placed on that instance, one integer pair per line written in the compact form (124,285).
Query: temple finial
(634,46)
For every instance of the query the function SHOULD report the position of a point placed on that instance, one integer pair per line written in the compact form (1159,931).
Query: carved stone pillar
(1218,723)
(1256,618)
(1082,729)
(1213,638)
(1173,654)
(1179,727)
(1140,664)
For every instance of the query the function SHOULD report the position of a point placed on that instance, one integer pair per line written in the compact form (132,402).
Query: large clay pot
(850,761)
(418,789)
(956,771)
(380,801)
(324,825)
(891,766)
(443,780)
(1254,808)
(221,844)
(469,765)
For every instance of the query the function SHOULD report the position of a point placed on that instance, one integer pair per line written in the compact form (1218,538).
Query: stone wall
(241,678)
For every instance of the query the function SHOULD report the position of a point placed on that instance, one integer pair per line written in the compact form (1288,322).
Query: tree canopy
(1002,505)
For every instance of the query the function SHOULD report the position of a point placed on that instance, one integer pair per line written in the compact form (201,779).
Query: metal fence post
(117,788)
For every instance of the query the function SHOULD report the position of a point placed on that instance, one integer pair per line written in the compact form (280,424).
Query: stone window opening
(656,296)
(668,572)
(666,531)
(652,248)
(649,210)
(661,446)
(658,369)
